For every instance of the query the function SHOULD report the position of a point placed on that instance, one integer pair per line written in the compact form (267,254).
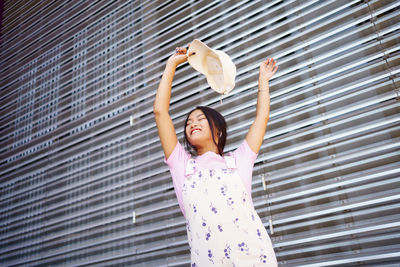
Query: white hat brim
(216,65)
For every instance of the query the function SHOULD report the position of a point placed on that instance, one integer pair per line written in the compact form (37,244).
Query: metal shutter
(83,180)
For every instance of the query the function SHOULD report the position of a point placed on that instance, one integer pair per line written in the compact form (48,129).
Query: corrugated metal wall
(82,175)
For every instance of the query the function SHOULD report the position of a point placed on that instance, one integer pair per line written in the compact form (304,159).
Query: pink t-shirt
(177,161)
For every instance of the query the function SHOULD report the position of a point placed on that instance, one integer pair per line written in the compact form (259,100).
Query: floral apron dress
(222,225)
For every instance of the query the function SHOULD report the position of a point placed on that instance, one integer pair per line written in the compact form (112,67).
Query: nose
(193,125)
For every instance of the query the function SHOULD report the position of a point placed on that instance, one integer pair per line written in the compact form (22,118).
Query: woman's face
(197,129)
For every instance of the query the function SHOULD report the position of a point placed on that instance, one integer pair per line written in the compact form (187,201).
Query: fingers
(183,51)
(179,56)
(268,68)
(270,63)
(180,51)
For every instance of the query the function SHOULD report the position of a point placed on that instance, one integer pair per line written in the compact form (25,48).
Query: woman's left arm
(256,133)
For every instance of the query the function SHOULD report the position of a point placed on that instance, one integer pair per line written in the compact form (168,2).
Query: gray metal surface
(82,177)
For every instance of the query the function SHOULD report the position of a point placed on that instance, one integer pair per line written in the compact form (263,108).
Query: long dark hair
(216,122)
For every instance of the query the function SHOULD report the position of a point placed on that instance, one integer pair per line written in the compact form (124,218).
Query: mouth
(195,130)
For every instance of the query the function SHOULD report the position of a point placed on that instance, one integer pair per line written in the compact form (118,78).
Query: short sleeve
(176,163)
(245,158)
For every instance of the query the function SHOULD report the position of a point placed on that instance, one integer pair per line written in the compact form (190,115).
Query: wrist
(171,64)
(263,79)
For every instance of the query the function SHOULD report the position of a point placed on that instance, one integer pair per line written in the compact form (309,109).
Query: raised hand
(256,133)
(165,126)
(178,57)
(267,69)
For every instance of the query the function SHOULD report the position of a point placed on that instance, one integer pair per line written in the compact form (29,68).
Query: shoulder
(244,152)
(178,156)
(177,163)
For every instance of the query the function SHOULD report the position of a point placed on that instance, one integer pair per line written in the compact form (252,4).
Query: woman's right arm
(166,129)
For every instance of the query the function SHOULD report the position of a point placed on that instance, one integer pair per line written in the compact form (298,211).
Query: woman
(214,189)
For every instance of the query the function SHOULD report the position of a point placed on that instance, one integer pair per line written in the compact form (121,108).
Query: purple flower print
(204,222)
(263,258)
(194,208)
(194,264)
(208,234)
(212,172)
(210,256)
(230,201)
(243,247)
(200,174)
(213,209)
(223,189)
(225,171)
(259,234)
(192,165)
(193,185)
(227,252)
(220,227)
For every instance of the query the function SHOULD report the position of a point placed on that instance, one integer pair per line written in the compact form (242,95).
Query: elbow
(156,108)
(158,111)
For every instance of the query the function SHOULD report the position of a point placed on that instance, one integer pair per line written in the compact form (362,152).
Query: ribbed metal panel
(82,178)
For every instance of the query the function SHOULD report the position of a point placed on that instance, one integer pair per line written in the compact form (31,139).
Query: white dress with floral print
(223,227)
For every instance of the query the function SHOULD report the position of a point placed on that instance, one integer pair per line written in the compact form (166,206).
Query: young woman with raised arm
(213,188)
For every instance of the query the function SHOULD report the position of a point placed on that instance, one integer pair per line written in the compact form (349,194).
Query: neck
(205,149)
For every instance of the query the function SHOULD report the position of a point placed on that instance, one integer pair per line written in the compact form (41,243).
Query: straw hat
(215,64)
